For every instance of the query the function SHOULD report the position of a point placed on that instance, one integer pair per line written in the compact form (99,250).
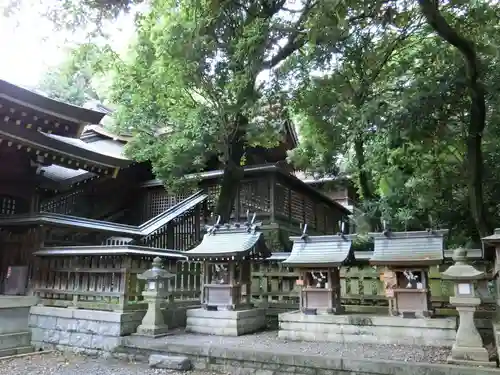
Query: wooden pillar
(337,292)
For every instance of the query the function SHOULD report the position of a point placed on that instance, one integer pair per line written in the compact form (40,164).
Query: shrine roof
(43,104)
(109,250)
(320,251)
(65,176)
(408,248)
(227,241)
(67,221)
(104,154)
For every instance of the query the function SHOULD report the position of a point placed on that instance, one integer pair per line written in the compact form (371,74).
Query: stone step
(170,362)
(16,351)
(15,340)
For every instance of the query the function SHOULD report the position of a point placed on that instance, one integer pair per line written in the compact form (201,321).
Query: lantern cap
(156,272)
(461,270)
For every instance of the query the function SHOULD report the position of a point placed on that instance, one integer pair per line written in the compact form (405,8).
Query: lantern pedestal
(153,323)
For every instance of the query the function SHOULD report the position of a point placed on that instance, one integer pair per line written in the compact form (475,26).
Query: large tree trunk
(233,173)
(477,121)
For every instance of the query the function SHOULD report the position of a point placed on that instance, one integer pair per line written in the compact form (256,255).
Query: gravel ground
(269,341)
(70,364)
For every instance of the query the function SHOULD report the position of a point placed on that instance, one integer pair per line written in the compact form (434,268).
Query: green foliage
(82,77)
(191,83)
(366,82)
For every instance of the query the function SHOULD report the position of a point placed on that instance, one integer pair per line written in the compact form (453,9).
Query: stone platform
(265,353)
(15,336)
(225,323)
(367,329)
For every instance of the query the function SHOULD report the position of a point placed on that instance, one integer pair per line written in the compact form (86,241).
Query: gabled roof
(104,154)
(43,104)
(228,241)
(320,251)
(408,248)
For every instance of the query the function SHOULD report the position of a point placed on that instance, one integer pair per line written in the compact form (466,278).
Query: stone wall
(89,331)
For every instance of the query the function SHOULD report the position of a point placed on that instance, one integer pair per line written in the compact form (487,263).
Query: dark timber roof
(143,230)
(43,104)
(105,154)
(408,248)
(109,250)
(227,241)
(320,251)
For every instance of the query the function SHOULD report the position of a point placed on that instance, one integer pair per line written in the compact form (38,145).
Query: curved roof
(320,251)
(408,248)
(226,241)
(44,104)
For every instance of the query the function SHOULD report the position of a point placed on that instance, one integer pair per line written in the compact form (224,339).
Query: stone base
(463,362)
(156,331)
(226,323)
(469,354)
(82,331)
(367,329)
(15,336)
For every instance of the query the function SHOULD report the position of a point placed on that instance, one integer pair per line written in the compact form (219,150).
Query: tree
(80,77)
(192,88)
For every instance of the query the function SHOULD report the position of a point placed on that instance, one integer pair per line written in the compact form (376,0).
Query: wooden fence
(111,283)
(107,282)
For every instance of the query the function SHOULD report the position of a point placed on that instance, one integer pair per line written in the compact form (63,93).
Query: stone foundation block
(367,329)
(80,330)
(169,362)
(225,323)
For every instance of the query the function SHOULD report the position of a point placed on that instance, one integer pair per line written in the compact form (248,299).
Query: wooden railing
(106,282)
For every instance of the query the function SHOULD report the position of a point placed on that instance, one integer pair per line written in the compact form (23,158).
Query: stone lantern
(468,347)
(155,293)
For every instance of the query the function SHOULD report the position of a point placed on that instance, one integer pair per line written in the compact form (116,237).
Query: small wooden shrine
(407,257)
(318,260)
(227,252)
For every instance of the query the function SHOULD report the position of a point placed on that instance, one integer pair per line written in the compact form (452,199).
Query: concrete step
(15,340)
(16,351)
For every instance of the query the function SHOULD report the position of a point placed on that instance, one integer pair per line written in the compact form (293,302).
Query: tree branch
(477,119)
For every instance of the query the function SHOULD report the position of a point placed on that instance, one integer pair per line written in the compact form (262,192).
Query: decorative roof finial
(385,231)
(253,217)
(460,255)
(304,233)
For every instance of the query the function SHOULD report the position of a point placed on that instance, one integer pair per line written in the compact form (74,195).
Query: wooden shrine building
(228,252)
(318,259)
(407,257)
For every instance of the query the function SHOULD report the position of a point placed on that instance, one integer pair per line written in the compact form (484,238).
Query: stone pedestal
(153,324)
(468,343)
(226,323)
